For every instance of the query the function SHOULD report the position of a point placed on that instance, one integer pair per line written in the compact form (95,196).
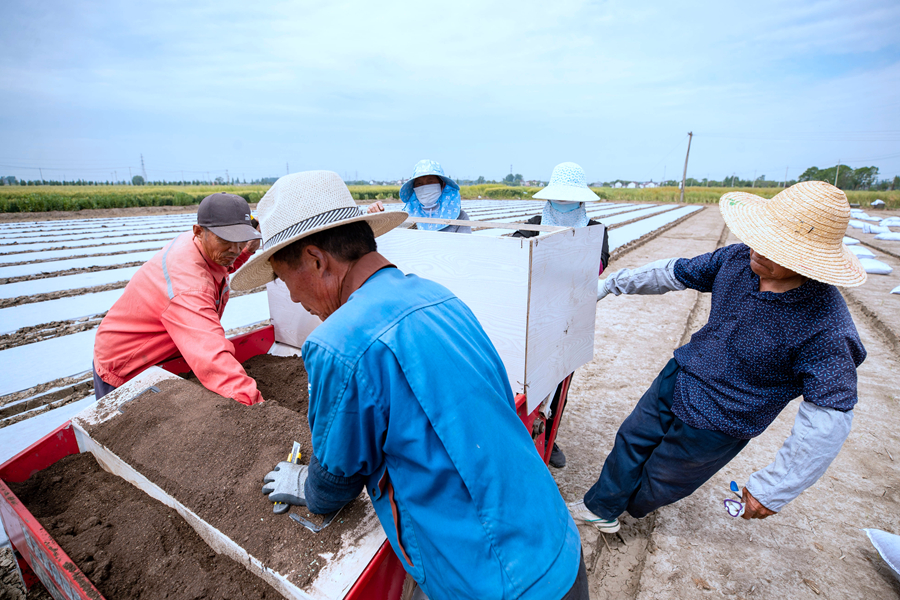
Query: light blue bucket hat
(422,168)
(567,183)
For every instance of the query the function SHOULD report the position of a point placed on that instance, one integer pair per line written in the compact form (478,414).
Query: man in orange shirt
(174,304)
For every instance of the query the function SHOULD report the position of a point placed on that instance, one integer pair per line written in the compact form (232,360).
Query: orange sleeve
(193,324)
(243,257)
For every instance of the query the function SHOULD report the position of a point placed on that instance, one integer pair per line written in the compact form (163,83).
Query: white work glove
(286,483)
(601,290)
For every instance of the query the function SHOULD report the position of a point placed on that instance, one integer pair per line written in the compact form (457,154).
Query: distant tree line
(846,178)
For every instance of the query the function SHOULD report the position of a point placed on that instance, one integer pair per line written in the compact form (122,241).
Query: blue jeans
(657,459)
(101,388)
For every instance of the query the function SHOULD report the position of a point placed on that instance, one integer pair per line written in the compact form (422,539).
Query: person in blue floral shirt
(778,329)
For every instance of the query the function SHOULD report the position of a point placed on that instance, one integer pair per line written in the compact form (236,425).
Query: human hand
(753,509)
(286,483)
(376,207)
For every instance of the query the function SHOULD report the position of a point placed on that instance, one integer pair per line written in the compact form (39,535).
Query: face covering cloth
(428,195)
(576,217)
(564,206)
(446,207)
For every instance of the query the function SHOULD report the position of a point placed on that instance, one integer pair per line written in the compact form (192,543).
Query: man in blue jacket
(409,398)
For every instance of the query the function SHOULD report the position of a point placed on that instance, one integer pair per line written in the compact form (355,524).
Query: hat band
(332,216)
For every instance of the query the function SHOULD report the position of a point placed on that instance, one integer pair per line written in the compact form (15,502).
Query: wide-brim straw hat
(801,228)
(567,182)
(299,205)
(425,167)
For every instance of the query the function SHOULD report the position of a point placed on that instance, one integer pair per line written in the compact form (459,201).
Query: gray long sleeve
(815,441)
(657,277)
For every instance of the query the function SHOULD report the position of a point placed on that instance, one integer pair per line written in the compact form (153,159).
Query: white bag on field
(849,241)
(868,228)
(888,237)
(890,222)
(875,267)
(861,252)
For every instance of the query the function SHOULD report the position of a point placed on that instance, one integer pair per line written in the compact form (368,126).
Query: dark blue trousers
(657,459)
(101,388)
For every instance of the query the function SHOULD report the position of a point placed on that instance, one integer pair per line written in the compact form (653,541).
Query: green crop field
(50,198)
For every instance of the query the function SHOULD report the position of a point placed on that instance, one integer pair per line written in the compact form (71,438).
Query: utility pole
(686,156)
(837,172)
(116,173)
(143,169)
(784,185)
(754,179)
(42,175)
(129,174)
(227,177)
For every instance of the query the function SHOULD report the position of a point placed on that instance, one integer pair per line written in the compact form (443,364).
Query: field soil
(128,544)
(211,453)
(814,548)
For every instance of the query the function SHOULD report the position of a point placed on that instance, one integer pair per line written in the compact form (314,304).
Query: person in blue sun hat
(431,194)
(567,195)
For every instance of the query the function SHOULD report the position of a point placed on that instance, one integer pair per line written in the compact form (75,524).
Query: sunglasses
(734,507)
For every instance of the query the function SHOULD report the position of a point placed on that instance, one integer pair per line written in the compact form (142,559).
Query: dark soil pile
(128,544)
(211,453)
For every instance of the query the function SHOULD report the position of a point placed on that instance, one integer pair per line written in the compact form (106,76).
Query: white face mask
(428,195)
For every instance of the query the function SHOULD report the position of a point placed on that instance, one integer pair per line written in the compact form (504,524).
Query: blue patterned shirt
(760,350)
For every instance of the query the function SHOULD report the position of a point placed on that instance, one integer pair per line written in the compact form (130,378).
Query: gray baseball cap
(227,216)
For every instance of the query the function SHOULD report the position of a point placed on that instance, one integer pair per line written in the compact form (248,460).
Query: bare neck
(779,286)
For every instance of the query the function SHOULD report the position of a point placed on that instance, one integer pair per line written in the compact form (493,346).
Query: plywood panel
(291,321)
(562,306)
(534,297)
(489,274)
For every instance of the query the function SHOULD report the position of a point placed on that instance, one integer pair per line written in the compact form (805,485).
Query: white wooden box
(535,297)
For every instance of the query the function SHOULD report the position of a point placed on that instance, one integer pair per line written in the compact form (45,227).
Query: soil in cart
(128,544)
(211,453)
(281,380)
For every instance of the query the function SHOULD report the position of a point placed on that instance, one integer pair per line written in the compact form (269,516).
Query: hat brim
(566,192)
(258,271)
(236,233)
(746,216)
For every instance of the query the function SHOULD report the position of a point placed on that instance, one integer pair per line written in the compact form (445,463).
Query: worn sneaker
(557,458)
(582,514)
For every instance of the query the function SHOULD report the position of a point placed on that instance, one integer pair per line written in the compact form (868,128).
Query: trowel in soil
(280,508)
(312,526)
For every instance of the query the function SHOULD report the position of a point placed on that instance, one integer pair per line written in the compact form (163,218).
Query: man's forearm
(815,441)
(657,277)
(325,492)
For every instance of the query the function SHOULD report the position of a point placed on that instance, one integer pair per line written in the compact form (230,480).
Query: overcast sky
(367,88)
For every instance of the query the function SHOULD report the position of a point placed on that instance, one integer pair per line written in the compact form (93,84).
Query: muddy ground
(815,547)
